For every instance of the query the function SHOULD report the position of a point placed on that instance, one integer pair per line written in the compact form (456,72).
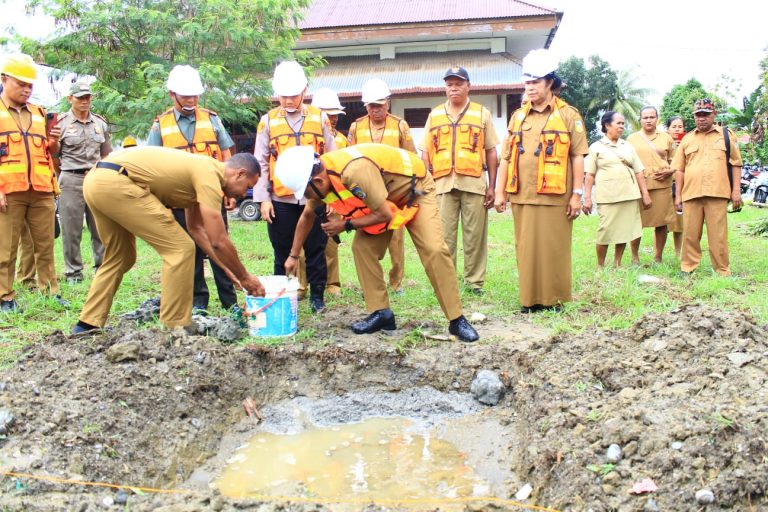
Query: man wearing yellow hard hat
(26,180)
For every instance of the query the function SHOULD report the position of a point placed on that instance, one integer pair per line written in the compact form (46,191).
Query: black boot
(316,301)
(376,321)
(463,330)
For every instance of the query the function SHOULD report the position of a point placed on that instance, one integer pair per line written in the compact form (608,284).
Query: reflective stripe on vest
(282,137)
(390,137)
(24,156)
(204,141)
(552,151)
(341,141)
(458,146)
(387,160)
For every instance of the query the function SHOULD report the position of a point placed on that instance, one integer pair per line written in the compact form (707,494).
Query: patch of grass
(721,422)
(594,415)
(602,469)
(609,299)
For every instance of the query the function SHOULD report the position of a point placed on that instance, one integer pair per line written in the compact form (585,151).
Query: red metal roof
(343,13)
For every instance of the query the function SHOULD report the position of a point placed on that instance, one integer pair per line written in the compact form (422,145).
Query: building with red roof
(411,43)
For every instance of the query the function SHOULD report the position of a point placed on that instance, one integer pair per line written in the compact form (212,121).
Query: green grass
(609,299)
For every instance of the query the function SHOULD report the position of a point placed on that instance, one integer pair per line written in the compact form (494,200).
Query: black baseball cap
(458,72)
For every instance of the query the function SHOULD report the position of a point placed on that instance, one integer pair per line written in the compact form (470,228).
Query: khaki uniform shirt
(406,141)
(529,163)
(701,157)
(177,178)
(656,158)
(377,186)
(614,180)
(82,143)
(473,185)
(22,116)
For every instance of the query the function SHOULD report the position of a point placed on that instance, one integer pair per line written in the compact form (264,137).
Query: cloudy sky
(665,41)
(668,41)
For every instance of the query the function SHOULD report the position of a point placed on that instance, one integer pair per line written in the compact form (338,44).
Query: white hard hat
(185,80)
(538,64)
(294,168)
(289,79)
(327,100)
(375,90)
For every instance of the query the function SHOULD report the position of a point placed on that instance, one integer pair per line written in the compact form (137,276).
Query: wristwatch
(348,226)
(578,191)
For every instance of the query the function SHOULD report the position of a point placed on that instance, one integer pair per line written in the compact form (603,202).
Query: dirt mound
(684,396)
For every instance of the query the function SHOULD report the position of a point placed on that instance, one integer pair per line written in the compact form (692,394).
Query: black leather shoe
(61,302)
(316,304)
(376,321)
(10,306)
(82,328)
(531,309)
(463,330)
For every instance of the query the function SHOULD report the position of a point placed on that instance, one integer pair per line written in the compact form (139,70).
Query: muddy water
(377,459)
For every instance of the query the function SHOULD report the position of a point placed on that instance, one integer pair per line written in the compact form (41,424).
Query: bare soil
(683,394)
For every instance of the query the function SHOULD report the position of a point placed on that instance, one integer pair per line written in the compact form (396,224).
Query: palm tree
(628,98)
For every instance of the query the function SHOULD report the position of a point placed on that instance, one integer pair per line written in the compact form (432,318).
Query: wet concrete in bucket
(419,445)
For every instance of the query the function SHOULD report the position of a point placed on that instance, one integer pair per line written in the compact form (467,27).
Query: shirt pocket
(718,151)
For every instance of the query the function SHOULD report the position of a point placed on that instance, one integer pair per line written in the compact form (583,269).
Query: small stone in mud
(613,454)
(677,445)
(107,502)
(121,352)
(705,497)
(477,318)
(3,386)
(651,506)
(196,422)
(6,421)
(487,388)
(200,357)
(121,498)
(36,391)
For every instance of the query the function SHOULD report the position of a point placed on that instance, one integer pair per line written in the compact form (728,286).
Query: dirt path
(682,394)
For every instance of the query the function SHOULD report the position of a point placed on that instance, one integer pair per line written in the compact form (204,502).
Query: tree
(131,45)
(679,102)
(629,98)
(589,89)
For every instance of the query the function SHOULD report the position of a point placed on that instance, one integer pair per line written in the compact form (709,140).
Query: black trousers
(224,286)
(281,233)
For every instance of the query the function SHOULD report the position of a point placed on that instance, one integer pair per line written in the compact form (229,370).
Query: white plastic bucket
(277,313)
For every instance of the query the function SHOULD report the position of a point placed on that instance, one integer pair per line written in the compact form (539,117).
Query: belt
(114,167)
(76,171)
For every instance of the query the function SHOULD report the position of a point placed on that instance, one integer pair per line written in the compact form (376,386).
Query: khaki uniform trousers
(124,211)
(427,235)
(468,207)
(713,212)
(26,272)
(35,210)
(72,207)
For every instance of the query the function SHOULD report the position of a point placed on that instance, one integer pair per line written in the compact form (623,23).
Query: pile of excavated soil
(683,395)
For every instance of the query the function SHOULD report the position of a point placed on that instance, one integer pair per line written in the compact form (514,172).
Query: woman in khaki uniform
(613,166)
(655,149)
(676,130)
(543,213)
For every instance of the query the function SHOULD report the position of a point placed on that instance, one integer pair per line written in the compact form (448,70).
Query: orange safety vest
(458,146)
(341,141)
(204,141)
(390,137)
(282,137)
(388,160)
(553,150)
(24,158)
